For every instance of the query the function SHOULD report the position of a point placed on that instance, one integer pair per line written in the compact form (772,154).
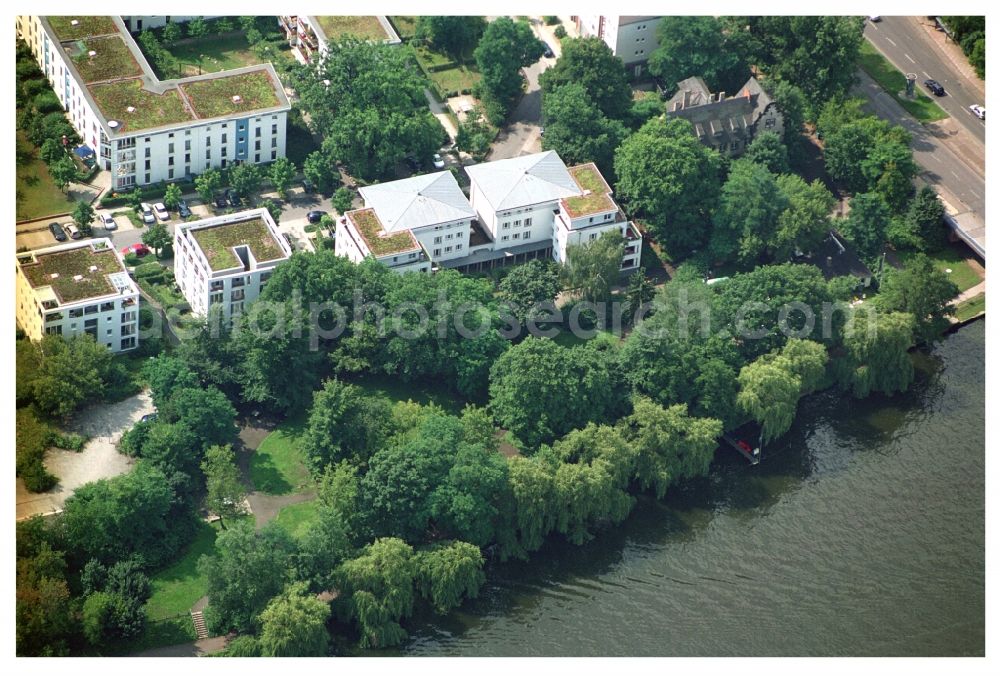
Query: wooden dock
(751,454)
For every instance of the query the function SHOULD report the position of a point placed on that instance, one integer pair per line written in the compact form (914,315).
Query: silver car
(108,221)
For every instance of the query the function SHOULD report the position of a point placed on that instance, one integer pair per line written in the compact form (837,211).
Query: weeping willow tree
(769,393)
(877,352)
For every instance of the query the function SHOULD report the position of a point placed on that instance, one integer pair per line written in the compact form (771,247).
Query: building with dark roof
(726,124)
(837,258)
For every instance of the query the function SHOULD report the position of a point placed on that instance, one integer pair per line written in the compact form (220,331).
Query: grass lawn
(36,195)
(297,519)
(177,587)
(397,390)
(278,467)
(893,81)
(163,293)
(970,308)
(949,259)
(456,79)
(159,634)
(406,26)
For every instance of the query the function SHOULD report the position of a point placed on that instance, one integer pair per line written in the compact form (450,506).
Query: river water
(860,533)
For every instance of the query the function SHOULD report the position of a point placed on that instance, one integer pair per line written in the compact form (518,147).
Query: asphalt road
(904,41)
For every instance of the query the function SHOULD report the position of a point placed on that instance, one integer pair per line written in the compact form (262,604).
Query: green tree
(593,268)
(377,591)
(165,374)
(889,169)
(64,172)
(321,171)
(156,237)
(577,130)
(69,372)
(670,445)
(769,393)
(666,176)
(805,222)
(746,219)
(281,173)
(342,201)
(172,197)
(245,178)
(768,150)
(504,49)
(226,492)
(197,27)
(921,290)
(866,224)
(926,219)
(877,356)
(526,286)
(698,46)
(589,63)
(639,293)
(448,573)
(806,359)
(344,424)
(171,33)
(475,134)
(294,625)
(207,184)
(273,209)
(83,216)
(453,35)
(51,151)
(249,568)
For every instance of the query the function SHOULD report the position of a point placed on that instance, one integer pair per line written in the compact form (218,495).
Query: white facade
(168,152)
(354,242)
(227,289)
(78,287)
(140,23)
(631,38)
(306,35)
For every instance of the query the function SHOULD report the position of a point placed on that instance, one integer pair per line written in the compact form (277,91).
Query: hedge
(148,192)
(32,439)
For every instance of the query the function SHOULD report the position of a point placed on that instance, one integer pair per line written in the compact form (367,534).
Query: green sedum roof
(70,263)
(86,26)
(112,59)
(379,242)
(151,110)
(217,243)
(214,97)
(589,179)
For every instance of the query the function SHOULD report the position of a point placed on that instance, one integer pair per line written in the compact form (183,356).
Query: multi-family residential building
(727,124)
(631,38)
(79,287)
(137,24)
(146,130)
(309,35)
(521,208)
(222,263)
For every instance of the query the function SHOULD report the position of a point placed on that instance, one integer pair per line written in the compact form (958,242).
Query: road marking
(926,74)
(955,175)
(974,193)
(908,56)
(891,42)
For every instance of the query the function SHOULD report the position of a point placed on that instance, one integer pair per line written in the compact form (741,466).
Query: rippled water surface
(861,533)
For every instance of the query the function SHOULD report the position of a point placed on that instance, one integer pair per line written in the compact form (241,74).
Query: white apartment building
(521,208)
(631,38)
(309,35)
(79,287)
(137,24)
(222,263)
(145,130)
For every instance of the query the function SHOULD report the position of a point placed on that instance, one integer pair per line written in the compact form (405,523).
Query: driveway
(99,459)
(522,135)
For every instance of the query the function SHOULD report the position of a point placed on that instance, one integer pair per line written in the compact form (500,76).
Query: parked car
(108,221)
(147,214)
(73,231)
(234,198)
(935,87)
(315,216)
(978,111)
(161,211)
(182,209)
(547,50)
(438,162)
(139,249)
(874,19)
(220,201)
(57,232)
(308,186)
(149,417)
(541,131)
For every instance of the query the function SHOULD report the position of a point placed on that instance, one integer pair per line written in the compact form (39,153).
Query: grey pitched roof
(715,116)
(418,201)
(523,181)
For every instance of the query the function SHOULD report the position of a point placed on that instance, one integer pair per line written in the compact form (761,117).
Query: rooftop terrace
(363,27)
(92,267)
(217,242)
(119,78)
(596,199)
(380,243)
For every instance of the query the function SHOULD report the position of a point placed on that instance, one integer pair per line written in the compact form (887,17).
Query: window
(257,132)
(224,151)
(437,240)
(517,235)
(517,223)
(450,235)
(170,173)
(208,153)
(170,161)
(527,222)
(107,307)
(527,235)
(274,129)
(256,145)
(447,249)
(505,238)
(147,150)
(437,252)
(506,226)
(170,147)
(256,158)
(593,235)
(215,297)
(187,145)
(147,165)
(274,154)
(274,141)
(224,136)
(128,343)
(187,158)
(458,247)
(208,141)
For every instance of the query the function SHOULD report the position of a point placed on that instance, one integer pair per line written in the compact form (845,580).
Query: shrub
(146,270)
(560,32)
(69,441)
(551,20)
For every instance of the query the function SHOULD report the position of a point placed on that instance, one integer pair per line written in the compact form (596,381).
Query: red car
(139,249)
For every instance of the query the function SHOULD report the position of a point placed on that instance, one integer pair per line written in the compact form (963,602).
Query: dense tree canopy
(294,624)
(505,48)
(877,346)
(577,130)
(590,64)
(699,46)
(746,219)
(921,290)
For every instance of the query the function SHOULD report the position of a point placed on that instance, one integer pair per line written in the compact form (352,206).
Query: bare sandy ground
(99,459)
